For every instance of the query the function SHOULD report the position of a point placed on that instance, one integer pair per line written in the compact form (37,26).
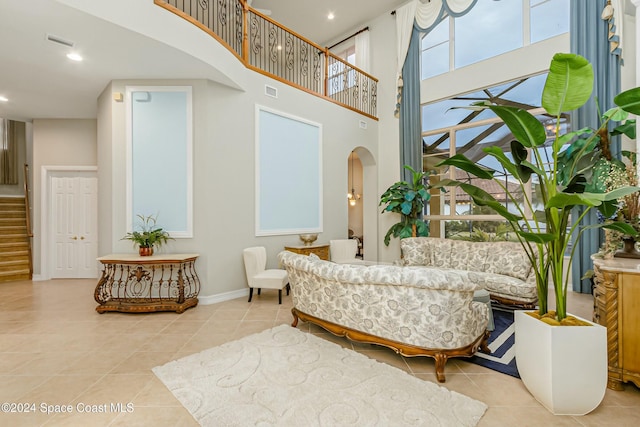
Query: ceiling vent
(59,40)
(270,91)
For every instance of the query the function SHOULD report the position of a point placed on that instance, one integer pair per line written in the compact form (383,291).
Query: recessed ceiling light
(3,99)
(74,57)
(330,16)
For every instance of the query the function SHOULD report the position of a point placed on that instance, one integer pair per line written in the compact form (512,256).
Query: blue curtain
(410,122)
(410,111)
(589,38)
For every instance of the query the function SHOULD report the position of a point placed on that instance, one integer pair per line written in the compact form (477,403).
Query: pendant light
(353,197)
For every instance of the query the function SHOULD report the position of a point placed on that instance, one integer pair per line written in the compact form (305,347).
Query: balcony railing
(267,47)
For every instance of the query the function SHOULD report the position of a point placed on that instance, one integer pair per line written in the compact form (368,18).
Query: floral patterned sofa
(411,310)
(501,268)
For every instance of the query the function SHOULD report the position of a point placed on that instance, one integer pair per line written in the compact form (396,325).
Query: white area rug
(286,377)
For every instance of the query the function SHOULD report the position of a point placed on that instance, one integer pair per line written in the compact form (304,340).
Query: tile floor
(55,349)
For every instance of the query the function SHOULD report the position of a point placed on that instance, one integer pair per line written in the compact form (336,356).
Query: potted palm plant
(407,199)
(562,185)
(149,235)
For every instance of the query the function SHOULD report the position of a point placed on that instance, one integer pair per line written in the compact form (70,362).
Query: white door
(74,222)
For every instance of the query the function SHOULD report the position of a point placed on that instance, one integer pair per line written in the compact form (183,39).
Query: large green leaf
(620,192)
(616,114)
(627,128)
(461,162)
(569,83)
(523,125)
(520,153)
(608,208)
(622,227)
(533,167)
(564,200)
(629,100)
(503,159)
(406,207)
(536,237)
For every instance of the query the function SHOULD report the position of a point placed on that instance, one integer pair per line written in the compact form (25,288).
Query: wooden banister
(274,50)
(27,208)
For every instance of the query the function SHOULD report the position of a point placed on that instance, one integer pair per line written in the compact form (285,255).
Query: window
(434,56)
(548,18)
(341,76)
(447,132)
(491,28)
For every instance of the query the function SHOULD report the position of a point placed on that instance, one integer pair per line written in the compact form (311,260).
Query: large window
(449,129)
(491,28)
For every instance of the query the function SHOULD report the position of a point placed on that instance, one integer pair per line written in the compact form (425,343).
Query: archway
(362,201)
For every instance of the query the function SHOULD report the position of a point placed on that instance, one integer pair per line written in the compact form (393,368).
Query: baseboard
(226,296)
(37,278)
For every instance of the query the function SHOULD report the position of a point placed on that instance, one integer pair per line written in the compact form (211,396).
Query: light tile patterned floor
(55,349)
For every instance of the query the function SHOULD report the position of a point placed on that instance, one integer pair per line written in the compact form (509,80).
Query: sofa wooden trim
(513,303)
(440,355)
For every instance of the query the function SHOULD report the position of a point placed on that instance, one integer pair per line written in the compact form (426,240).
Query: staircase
(15,245)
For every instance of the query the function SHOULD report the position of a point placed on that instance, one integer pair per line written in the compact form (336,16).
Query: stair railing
(27,207)
(269,48)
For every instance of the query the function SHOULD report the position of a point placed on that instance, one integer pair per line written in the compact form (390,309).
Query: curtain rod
(347,38)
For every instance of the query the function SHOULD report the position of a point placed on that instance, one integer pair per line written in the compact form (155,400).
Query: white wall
(383,66)
(65,142)
(224,193)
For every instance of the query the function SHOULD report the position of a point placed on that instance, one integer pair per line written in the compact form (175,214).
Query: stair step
(12,229)
(14,255)
(14,266)
(14,275)
(13,221)
(4,207)
(14,238)
(12,214)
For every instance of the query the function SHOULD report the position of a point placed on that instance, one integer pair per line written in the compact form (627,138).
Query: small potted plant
(148,236)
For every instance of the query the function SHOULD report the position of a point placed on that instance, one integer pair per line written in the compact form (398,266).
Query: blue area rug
(502,345)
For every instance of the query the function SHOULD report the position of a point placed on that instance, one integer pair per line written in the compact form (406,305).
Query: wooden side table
(143,284)
(616,306)
(322,251)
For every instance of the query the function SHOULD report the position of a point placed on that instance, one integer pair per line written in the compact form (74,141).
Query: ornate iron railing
(265,46)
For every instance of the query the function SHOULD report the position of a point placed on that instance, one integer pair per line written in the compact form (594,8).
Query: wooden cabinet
(616,306)
(322,251)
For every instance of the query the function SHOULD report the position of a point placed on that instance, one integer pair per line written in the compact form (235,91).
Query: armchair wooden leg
(259,291)
(250,294)
(288,288)
(279,296)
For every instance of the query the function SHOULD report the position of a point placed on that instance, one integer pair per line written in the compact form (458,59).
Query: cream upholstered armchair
(343,251)
(255,262)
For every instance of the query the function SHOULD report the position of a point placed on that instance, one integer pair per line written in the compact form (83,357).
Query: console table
(143,284)
(616,306)
(322,251)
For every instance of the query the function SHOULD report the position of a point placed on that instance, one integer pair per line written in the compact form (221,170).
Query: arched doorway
(363,214)
(354,201)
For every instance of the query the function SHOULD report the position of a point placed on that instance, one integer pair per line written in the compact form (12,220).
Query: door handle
(74,238)
(82,238)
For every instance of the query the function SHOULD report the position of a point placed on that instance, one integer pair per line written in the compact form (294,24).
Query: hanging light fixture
(353,197)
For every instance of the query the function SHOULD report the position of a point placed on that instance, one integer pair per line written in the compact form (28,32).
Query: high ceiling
(309,17)
(41,83)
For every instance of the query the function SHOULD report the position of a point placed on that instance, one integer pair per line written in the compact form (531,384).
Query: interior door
(74,210)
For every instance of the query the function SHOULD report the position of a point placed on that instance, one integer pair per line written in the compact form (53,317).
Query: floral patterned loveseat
(501,268)
(411,310)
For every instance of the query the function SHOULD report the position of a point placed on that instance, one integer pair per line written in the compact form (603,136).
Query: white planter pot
(563,367)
